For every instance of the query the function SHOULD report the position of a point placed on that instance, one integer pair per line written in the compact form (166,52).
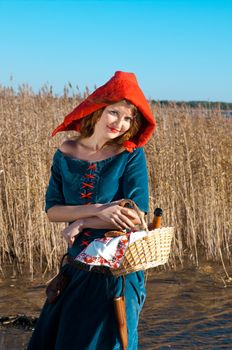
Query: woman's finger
(70,242)
(128,219)
(129,212)
(124,222)
(69,237)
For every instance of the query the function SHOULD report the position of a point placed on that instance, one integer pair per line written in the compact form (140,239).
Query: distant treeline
(195,104)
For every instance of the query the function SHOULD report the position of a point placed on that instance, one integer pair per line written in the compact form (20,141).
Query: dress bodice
(79,182)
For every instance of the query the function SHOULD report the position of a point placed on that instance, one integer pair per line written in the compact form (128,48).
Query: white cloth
(105,249)
(134,236)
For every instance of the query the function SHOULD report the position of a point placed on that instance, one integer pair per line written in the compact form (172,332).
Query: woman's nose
(118,123)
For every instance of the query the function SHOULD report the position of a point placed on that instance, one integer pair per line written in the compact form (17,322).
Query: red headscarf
(121,86)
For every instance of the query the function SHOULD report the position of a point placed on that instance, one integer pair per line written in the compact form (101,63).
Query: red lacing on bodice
(90,176)
(86,192)
(87,234)
(86,195)
(85,184)
(85,243)
(93,167)
(88,186)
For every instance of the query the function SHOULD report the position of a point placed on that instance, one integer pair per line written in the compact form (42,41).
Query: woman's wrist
(96,209)
(83,224)
(84,211)
(79,223)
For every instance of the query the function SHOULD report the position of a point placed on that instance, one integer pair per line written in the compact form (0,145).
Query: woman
(89,176)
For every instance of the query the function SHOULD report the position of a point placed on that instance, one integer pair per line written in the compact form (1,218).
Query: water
(188,309)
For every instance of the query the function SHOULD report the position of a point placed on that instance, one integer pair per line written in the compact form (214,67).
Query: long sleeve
(54,194)
(135,180)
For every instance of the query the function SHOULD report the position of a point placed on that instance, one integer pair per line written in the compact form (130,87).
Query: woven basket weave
(147,252)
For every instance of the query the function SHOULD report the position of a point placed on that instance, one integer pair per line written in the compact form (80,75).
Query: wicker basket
(150,251)
(145,253)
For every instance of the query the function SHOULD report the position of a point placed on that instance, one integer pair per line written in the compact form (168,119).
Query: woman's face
(115,120)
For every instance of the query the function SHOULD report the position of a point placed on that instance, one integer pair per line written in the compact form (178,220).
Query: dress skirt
(82,318)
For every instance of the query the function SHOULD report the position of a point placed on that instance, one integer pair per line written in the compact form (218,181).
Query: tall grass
(189,162)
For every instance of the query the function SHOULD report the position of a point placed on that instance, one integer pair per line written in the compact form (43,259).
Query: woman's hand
(119,216)
(73,230)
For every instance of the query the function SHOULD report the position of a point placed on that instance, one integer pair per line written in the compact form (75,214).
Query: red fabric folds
(121,86)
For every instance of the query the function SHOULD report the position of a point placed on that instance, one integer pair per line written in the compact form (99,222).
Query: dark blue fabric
(120,176)
(83,316)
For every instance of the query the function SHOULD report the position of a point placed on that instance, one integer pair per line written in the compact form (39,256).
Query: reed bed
(189,162)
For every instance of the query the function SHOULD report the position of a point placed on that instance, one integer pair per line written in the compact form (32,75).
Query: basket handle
(128,203)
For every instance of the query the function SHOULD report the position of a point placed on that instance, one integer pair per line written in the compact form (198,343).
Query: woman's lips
(113,130)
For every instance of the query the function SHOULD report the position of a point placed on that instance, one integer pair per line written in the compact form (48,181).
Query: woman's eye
(114,112)
(128,119)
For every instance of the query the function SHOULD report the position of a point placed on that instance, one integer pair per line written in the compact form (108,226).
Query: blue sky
(179,50)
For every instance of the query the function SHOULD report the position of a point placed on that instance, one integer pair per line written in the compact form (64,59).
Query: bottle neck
(156,223)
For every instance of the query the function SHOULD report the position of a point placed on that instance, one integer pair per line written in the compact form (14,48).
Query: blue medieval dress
(83,317)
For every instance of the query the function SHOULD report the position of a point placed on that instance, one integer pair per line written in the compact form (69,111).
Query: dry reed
(189,161)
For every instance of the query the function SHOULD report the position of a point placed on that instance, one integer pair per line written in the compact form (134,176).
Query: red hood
(121,86)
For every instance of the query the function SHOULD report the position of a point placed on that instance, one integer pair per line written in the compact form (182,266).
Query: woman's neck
(80,149)
(92,144)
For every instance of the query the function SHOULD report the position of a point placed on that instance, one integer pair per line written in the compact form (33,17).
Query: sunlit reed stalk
(189,163)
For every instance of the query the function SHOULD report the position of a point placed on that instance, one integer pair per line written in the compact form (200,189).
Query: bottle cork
(156,222)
